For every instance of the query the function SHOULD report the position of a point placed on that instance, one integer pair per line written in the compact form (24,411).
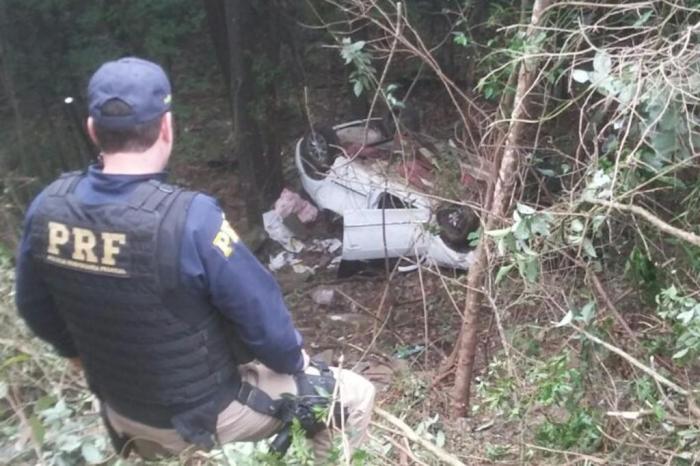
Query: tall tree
(502,195)
(8,89)
(246,36)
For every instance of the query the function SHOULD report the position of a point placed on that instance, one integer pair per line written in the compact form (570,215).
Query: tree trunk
(251,43)
(240,25)
(7,84)
(503,191)
(216,18)
(269,171)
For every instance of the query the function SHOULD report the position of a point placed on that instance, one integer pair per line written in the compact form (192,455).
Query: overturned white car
(383,195)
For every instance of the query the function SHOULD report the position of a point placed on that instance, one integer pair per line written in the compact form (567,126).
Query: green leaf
(673,182)
(69,443)
(566,320)
(44,403)
(503,272)
(540,225)
(548,172)
(460,39)
(521,231)
(357,88)
(525,209)
(440,439)
(576,225)
(3,390)
(91,454)
(14,360)
(580,76)
(602,63)
(57,413)
(473,237)
(587,312)
(598,220)
(498,233)
(681,353)
(588,248)
(357,46)
(38,430)
(686,316)
(644,18)
(529,268)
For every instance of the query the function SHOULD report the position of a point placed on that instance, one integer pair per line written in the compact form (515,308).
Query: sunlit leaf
(91,454)
(602,63)
(460,39)
(588,248)
(576,225)
(498,233)
(580,76)
(525,209)
(357,88)
(587,312)
(566,320)
(503,272)
(643,18)
(440,439)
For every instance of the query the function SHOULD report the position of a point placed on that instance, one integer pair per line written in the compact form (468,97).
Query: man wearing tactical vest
(182,334)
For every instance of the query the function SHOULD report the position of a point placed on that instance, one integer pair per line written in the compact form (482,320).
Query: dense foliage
(591,285)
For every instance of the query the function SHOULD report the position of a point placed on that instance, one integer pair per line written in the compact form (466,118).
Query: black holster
(314,397)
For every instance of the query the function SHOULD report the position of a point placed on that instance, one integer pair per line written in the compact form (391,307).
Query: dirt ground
(384,325)
(378,326)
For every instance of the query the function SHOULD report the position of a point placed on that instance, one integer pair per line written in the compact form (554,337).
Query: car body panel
(354,187)
(378,233)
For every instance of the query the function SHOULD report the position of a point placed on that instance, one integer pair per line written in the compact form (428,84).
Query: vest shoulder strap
(149,196)
(174,216)
(65,184)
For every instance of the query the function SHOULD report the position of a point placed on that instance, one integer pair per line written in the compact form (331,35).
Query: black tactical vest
(151,350)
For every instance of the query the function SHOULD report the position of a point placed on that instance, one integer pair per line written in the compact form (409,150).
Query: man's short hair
(136,138)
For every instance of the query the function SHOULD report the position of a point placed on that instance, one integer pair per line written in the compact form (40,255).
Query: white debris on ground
(290,258)
(330,245)
(288,204)
(279,232)
(323,296)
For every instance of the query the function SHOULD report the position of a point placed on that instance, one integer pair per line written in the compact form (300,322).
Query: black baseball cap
(140,84)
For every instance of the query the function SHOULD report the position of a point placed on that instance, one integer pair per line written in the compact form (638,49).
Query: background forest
(575,336)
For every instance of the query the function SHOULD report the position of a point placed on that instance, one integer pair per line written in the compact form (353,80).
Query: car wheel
(455,224)
(319,149)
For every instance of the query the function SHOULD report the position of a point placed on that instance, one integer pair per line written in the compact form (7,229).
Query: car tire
(455,223)
(319,149)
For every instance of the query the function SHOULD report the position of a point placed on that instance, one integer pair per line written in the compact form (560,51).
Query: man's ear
(91,130)
(166,127)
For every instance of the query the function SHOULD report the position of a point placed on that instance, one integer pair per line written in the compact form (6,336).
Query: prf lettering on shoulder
(84,242)
(226,238)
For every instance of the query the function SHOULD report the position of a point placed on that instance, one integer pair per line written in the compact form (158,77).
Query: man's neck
(131,163)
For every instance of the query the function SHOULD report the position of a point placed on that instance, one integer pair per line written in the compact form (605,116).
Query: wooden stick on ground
(660,378)
(444,456)
(654,220)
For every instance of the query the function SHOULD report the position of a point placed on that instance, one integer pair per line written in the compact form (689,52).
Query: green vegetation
(589,316)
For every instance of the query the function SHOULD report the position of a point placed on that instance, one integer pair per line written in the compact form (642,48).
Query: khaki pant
(238,423)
